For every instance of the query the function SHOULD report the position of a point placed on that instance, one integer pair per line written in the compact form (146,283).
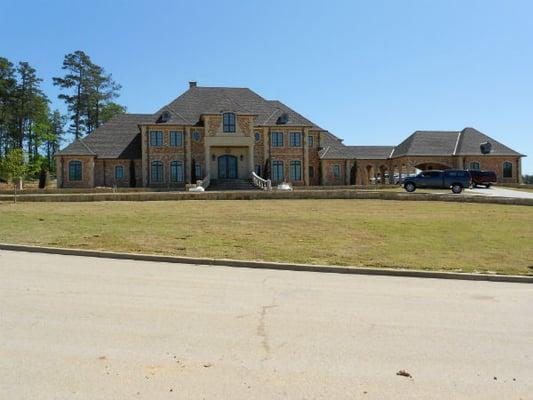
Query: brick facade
(319,157)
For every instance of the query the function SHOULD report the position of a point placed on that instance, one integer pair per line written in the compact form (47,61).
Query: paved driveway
(86,328)
(502,192)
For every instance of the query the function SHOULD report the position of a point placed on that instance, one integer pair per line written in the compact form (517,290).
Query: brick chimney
(192,84)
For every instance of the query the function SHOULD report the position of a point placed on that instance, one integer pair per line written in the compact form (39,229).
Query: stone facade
(237,129)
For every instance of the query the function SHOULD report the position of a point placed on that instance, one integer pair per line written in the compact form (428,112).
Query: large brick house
(228,133)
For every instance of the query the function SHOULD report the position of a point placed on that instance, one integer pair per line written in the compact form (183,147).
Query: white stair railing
(205,182)
(263,184)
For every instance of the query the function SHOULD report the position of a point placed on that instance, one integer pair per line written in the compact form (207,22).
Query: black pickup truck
(457,180)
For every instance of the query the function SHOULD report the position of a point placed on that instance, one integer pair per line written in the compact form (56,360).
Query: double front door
(227,167)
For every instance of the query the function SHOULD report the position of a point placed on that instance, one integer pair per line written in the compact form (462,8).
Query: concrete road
(501,192)
(86,328)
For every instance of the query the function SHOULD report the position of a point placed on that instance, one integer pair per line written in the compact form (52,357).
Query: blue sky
(371,72)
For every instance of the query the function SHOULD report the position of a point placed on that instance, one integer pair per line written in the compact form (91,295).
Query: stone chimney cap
(192,84)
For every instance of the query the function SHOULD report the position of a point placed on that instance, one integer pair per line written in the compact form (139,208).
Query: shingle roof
(428,143)
(199,100)
(447,143)
(117,138)
(470,139)
(333,148)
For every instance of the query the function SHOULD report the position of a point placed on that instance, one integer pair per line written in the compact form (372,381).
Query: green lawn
(407,234)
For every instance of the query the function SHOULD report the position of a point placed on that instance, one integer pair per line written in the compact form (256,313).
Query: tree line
(30,130)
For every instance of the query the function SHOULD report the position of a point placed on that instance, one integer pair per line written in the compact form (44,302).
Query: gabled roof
(428,143)
(117,138)
(447,143)
(470,140)
(76,148)
(190,106)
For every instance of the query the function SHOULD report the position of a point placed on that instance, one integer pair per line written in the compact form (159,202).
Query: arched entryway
(426,166)
(227,167)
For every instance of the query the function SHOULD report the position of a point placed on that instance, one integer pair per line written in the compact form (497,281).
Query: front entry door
(227,167)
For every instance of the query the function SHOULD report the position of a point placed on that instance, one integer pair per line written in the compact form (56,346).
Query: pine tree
(54,136)
(30,103)
(76,82)
(8,85)
(102,90)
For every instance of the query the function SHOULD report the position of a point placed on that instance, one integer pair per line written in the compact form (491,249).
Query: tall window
(119,172)
(156,138)
(176,171)
(258,169)
(310,140)
(198,170)
(74,171)
(507,169)
(474,165)
(311,171)
(336,170)
(295,171)
(277,139)
(277,171)
(229,122)
(295,139)
(176,138)
(156,173)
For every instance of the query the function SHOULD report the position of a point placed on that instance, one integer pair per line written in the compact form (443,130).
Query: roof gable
(470,139)
(428,143)
(117,138)
(198,100)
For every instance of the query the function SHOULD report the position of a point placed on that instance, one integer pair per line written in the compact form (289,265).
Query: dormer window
(165,116)
(229,122)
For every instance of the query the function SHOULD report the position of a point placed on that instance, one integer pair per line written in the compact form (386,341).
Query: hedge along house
(228,133)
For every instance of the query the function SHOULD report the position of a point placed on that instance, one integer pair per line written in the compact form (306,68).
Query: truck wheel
(457,188)
(410,187)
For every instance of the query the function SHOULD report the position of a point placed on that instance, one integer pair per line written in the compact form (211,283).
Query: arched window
(119,172)
(156,172)
(507,169)
(176,171)
(229,122)
(474,165)
(74,170)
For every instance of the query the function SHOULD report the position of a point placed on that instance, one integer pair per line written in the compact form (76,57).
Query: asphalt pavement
(87,328)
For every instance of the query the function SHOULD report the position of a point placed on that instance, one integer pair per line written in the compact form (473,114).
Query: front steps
(231,184)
